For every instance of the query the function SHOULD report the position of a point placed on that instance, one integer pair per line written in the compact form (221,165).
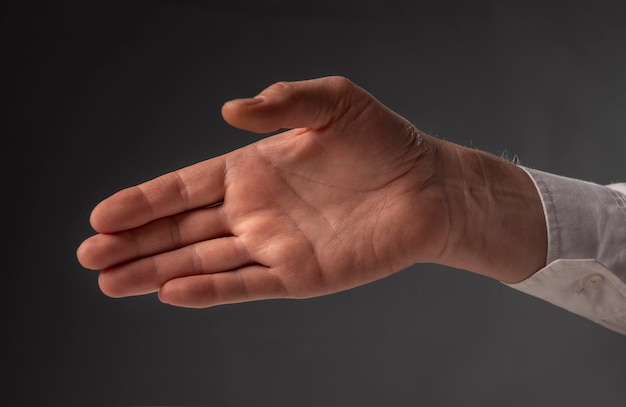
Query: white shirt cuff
(586,262)
(584,287)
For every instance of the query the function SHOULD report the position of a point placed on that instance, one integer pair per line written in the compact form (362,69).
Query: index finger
(198,185)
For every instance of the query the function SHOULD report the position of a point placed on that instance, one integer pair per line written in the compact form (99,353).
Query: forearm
(497,223)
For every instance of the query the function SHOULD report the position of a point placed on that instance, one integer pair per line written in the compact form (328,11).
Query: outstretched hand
(351,193)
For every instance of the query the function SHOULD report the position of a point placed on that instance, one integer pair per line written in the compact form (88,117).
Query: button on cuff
(582,286)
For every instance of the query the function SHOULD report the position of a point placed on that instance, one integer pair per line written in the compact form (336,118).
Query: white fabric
(586,262)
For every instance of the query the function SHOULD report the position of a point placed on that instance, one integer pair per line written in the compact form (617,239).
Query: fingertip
(110,286)
(88,253)
(105,287)
(245,114)
(168,296)
(100,216)
(112,214)
(94,219)
(161,298)
(85,254)
(80,254)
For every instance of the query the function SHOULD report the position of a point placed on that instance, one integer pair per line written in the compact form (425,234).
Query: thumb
(312,103)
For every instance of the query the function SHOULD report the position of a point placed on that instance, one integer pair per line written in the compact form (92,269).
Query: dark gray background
(102,95)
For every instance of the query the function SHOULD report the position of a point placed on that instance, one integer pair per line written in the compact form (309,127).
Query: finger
(312,104)
(192,187)
(148,274)
(246,284)
(106,250)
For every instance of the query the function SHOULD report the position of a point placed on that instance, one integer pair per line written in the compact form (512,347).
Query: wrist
(496,221)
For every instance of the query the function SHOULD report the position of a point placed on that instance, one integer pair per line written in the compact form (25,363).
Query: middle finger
(158,236)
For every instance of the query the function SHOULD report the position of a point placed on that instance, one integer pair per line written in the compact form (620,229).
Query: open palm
(345,197)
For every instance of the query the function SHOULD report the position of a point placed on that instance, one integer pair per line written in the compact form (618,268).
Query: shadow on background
(102,95)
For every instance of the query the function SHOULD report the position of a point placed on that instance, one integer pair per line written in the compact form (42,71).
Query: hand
(352,193)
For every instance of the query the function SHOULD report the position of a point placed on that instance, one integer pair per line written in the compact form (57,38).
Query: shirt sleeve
(586,262)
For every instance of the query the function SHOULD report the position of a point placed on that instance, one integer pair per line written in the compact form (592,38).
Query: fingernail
(250,101)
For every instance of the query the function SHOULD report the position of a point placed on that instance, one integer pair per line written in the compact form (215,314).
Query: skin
(351,193)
